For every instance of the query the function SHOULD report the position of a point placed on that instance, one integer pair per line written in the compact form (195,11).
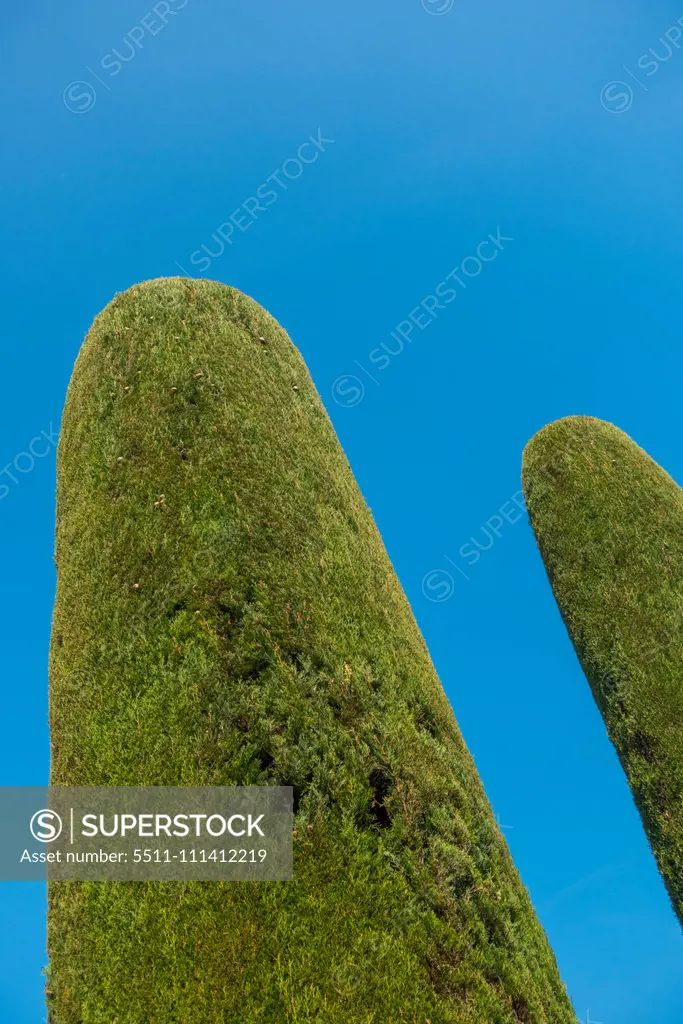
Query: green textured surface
(609,525)
(226,613)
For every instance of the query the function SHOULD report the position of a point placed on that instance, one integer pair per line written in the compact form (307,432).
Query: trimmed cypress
(609,526)
(226,614)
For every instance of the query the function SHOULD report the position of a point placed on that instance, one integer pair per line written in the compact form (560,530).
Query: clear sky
(132,138)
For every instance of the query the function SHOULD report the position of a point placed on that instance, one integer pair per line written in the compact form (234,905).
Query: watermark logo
(46,826)
(348,390)
(617,97)
(438,585)
(155,833)
(421,316)
(79,97)
(266,195)
(438,6)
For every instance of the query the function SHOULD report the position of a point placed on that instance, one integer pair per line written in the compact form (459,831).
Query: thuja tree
(609,525)
(226,614)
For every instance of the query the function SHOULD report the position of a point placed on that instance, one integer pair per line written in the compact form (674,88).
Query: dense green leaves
(226,613)
(609,524)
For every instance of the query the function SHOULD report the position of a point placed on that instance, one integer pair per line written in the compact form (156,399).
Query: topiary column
(226,614)
(609,525)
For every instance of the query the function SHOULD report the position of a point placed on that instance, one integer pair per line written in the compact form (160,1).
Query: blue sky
(450,123)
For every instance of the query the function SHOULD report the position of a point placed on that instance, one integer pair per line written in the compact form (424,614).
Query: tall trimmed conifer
(609,525)
(226,614)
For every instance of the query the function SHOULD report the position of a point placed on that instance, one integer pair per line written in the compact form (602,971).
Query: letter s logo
(46,826)
(616,97)
(79,97)
(438,585)
(348,390)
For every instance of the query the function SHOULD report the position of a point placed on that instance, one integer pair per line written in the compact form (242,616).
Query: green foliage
(609,525)
(226,614)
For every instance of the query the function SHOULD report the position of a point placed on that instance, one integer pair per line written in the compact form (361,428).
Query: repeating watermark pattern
(170,833)
(438,585)
(617,96)
(348,390)
(247,213)
(438,6)
(39,447)
(80,96)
